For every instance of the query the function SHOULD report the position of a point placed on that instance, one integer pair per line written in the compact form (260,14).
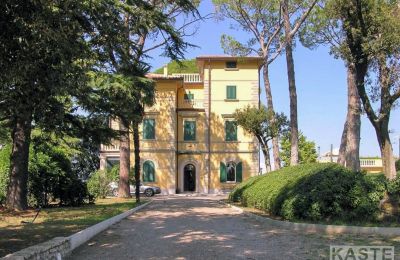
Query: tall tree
(294,14)
(323,28)
(262,20)
(41,50)
(257,121)
(372,36)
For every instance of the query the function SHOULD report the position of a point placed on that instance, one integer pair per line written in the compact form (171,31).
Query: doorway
(189,178)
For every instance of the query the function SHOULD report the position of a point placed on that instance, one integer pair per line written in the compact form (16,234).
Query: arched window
(230,172)
(148,171)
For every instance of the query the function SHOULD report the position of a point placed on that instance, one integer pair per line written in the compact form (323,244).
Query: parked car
(147,190)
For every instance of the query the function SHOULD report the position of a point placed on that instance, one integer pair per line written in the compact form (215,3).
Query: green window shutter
(239,175)
(148,172)
(222,172)
(188,96)
(230,92)
(230,131)
(189,131)
(149,129)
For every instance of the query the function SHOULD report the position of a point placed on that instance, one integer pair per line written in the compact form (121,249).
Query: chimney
(165,70)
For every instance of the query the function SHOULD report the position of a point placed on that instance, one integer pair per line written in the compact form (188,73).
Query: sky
(320,81)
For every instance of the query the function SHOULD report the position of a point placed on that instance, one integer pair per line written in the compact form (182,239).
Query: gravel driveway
(202,228)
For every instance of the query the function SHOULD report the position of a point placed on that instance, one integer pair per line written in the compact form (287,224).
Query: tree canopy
(307,150)
(183,66)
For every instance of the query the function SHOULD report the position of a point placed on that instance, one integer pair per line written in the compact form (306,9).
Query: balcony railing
(109,148)
(191,103)
(189,78)
(370,163)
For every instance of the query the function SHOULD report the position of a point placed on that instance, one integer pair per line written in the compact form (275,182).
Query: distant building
(368,164)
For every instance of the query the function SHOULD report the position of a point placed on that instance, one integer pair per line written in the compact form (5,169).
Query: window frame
(144,173)
(228,92)
(227,172)
(228,65)
(184,130)
(144,130)
(226,132)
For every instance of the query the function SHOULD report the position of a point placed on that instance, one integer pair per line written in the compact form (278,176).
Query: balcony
(365,163)
(191,104)
(189,78)
(110,148)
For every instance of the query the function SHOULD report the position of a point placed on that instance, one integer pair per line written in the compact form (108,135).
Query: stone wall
(54,249)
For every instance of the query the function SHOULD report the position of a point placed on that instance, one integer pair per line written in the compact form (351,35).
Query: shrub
(98,183)
(398,165)
(4,171)
(313,192)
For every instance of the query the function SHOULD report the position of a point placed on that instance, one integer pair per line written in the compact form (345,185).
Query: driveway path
(200,228)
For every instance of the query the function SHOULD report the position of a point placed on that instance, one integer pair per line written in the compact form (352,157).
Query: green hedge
(4,171)
(313,192)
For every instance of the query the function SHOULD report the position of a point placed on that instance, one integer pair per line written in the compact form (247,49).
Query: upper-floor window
(148,171)
(149,129)
(230,131)
(231,65)
(189,130)
(230,92)
(188,96)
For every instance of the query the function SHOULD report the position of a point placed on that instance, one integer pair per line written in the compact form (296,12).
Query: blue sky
(321,87)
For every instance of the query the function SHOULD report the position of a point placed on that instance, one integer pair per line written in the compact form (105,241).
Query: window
(189,130)
(148,171)
(230,131)
(188,96)
(230,92)
(111,162)
(149,132)
(231,172)
(231,65)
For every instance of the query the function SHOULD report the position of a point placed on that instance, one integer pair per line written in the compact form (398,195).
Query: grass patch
(54,222)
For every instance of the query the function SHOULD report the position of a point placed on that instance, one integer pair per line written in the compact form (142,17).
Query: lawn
(54,222)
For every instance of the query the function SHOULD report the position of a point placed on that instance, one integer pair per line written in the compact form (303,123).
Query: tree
(143,21)
(262,19)
(42,50)
(258,123)
(307,151)
(294,14)
(184,66)
(323,28)
(372,38)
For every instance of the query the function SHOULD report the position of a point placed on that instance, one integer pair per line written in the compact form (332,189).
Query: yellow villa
(189,139)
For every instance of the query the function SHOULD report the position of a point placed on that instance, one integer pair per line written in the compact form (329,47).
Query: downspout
(177,139)
(209,125)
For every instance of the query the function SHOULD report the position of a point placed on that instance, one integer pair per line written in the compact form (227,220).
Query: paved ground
(203,228)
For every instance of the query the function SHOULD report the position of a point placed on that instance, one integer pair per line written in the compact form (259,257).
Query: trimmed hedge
(313,192)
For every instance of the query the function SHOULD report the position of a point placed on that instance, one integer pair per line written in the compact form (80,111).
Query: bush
(98,184)
(398,165)
(4,171)
(313,192)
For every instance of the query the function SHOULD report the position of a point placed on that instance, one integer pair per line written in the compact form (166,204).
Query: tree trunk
(275,140)
(343,144)
(294,131)
(18,186)
(388,162)
(265,151)
(353,123)
(124,163)
(136,143)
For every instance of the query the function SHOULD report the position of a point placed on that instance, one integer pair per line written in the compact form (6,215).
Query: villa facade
(190,141)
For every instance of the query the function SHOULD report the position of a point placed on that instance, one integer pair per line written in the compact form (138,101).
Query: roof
(228,57)
(161,76)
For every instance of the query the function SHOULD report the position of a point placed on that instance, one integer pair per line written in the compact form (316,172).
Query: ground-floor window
(231,172)
(148,171)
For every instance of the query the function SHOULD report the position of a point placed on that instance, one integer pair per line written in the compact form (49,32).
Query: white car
(148,191)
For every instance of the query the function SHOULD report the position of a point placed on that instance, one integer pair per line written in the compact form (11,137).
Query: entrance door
(189,178)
